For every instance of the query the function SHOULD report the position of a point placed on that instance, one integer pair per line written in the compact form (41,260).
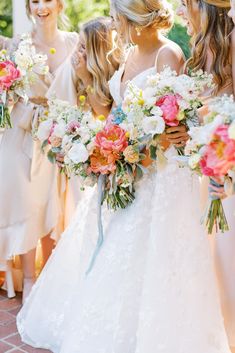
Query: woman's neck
(149,43)
(47,34)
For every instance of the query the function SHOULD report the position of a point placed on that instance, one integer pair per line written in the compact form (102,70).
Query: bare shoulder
(170,55)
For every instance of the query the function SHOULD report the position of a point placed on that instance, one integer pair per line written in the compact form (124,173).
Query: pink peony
(8,75)
(102,164)
(219,155)
(170,109)
(111,140)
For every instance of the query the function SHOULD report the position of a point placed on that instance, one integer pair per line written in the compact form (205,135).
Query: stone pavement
(9,339)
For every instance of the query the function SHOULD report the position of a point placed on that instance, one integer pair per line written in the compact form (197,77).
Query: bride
(152,288)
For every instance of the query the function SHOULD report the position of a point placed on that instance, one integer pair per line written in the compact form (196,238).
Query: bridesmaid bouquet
(17,72)
(211,152)
(167,100)
(65,129)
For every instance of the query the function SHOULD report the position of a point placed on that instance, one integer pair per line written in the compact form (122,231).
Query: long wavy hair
(214,36)
(63,20)
(102,58)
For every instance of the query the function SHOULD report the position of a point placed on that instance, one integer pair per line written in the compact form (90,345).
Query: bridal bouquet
(167,100)
(211,152)
(17,72)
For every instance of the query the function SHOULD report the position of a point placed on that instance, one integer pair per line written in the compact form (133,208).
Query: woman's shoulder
(170,54)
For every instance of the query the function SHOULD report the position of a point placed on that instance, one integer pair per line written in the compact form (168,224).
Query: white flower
(153,125)
(194,160)
(78,153)
(60,129)
(44,130)
(231,131)
(23,60)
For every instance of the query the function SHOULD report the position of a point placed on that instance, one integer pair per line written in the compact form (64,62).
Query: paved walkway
(9,339)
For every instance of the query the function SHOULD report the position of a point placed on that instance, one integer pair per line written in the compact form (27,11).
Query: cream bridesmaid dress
(223,249)
(32,197)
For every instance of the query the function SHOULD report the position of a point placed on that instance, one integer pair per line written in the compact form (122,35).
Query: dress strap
(158,53)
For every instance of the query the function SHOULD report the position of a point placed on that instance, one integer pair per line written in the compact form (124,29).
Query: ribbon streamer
(100,240)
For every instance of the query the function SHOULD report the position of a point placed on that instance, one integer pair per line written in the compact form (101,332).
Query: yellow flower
(52,51)
(101,117)
(46,112)
(180,116)
(128,134)
(141,101)
(82,99)
(131,154)
(3,51)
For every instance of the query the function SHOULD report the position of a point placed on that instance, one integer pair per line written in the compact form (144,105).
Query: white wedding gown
(152,288)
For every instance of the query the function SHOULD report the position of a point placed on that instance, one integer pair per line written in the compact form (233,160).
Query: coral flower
(170,109)
(8,75)
(112,139)
(100,163)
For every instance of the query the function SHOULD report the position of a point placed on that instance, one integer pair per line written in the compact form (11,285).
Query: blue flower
(118,115)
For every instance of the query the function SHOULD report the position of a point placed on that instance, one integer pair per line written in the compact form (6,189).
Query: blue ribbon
(99,222)
(214,183)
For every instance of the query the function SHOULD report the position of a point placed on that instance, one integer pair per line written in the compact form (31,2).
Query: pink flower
(170,109)
(8,75)
(102,164)
(73,126)
(111,140)
(219,155)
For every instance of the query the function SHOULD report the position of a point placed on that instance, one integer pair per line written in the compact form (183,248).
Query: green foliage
(179,35)
(6,18)
(80,11)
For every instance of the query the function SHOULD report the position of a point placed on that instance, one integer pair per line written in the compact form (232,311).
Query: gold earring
(138,31)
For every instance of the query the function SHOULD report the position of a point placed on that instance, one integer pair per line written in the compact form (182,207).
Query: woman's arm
(233,58)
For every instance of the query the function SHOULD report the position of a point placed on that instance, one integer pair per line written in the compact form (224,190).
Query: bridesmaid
(29,200)
(212,43)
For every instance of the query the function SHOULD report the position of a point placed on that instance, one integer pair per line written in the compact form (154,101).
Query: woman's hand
(79,62)
(43,101)
(177,135)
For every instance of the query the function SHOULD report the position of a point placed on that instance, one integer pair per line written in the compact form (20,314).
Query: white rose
(44,130)
(153,125)
(194,160)
(78,153)
(231,131)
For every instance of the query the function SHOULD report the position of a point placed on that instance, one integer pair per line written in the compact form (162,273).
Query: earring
(138,31)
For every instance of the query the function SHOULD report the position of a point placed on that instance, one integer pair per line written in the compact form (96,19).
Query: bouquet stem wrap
(100,240)
(215,213)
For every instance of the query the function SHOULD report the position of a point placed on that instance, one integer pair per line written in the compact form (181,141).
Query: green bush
(6,18)
(179,35)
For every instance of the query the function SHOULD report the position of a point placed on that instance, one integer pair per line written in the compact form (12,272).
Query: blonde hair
(213,35)
(102,59)
(63,20)
(143,13)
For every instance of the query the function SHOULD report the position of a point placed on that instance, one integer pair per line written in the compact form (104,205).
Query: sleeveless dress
(30,199)
(223,250)
(152,288)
